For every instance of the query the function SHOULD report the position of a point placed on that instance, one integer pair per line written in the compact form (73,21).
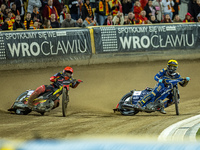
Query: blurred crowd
(46,14)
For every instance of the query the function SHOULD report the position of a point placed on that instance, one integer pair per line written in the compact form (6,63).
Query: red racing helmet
(68,69)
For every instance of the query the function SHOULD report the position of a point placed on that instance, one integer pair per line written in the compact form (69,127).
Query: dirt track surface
(91,103)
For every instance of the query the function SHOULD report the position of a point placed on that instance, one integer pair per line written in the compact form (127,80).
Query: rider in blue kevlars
(170,71)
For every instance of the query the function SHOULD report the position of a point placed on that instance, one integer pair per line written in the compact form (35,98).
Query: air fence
(98,44)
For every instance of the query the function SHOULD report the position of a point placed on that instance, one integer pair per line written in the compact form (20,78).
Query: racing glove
(187,78)
(161,80)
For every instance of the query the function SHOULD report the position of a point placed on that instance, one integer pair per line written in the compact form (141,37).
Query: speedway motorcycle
(127,104)
(45,102)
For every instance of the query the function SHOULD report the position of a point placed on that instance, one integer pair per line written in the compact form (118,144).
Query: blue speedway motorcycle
(170,92)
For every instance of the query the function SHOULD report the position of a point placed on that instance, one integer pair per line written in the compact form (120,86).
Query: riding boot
(162,110)
(162,107)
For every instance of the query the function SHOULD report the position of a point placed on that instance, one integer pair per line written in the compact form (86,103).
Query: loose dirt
(90,109)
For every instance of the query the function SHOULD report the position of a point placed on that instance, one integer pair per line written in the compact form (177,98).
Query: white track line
(183,130)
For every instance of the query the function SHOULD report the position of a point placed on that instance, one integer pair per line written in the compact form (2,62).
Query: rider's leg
(35,94)
(152,94)
(143,101)
(161,106)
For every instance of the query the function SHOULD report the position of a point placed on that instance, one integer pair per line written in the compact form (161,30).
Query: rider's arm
(75,83)
(159,75)
(55,77)
(183,83)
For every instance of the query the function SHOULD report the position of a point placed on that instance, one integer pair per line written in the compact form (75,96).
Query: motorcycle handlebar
(67,82)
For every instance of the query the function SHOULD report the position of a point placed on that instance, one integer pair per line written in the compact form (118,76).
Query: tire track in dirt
(90,108)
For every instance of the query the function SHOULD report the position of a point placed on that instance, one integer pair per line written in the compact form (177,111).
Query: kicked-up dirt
(90,110)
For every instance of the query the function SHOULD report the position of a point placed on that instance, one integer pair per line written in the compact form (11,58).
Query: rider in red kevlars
(169,72)
(57,80)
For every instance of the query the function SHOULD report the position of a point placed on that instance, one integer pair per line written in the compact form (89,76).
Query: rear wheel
(65,100)
(21,97)
(175,99)
(127,99)
(19,100)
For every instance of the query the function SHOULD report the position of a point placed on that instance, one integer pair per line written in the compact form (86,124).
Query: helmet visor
(172,69)
(68,74)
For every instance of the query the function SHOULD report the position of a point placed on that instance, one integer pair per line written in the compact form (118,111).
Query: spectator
(177,19)
(36,25)
(35,16)
(48,10)
(28,22)
(104,10)
(73,7)
(158,5)
(167,19)
(18,25)
(44,3)
(137,9)
(142,18)
(153,19)
(143,3)
(14,10)
(32,4)
(167,7)
(89,22)
(108,21)
(80,3)
(126,6)
(176,8)
(115,6)
(3,11)
(47,24)
(6,11)
(54,23)
(96,16)
(1,18)
(63,13)
(7,25)
(150,10)
(118,19)
(11,16)
(7,3)
(68,22)
(93,3)
(58,6)
(193,8)
(86,9)
(198,17)
(197,10)
(20,8)
(131,18)
(188,18)
(126,20)
(79,23)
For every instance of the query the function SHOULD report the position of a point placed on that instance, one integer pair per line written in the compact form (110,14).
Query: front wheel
(175,99)
(127,99)
(65,100)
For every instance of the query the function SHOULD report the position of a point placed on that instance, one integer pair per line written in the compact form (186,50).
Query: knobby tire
(65,100)
(175,98)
